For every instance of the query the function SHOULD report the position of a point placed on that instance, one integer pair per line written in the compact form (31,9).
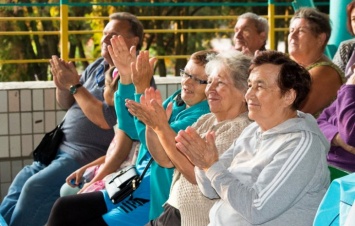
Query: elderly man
(251,32)
(88,129)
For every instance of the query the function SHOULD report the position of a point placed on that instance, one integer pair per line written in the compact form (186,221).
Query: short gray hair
(261,23)
(319,22)
(235,64)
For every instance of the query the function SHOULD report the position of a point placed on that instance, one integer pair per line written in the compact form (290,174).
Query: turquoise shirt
(160,177)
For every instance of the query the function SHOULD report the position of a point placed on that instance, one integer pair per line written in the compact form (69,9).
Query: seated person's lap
(133,209)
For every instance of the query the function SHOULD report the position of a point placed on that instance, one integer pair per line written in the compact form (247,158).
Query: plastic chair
(336,172)
(2,221)
(296,4)
(337,202)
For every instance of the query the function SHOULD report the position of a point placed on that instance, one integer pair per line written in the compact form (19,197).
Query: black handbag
(47,149)
(121,184)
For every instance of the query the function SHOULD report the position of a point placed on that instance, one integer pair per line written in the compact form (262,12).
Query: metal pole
(271,19)
(64,39)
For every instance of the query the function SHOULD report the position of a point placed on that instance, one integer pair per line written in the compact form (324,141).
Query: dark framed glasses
(185,75)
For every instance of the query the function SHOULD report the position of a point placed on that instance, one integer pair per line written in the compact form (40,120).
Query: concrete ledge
(50,84)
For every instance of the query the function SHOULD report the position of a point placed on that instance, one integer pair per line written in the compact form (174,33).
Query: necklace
(311,64)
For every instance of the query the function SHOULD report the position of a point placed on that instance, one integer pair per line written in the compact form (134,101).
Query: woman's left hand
(202,153)
(142,71)
(122,57)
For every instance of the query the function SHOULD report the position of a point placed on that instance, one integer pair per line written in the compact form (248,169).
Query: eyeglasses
(185,75)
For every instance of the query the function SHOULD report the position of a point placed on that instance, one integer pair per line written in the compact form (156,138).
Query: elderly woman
(227,84)
(309,33)
(276,172)
(337,122)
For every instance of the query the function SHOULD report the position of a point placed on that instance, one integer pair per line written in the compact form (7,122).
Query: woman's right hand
(201,152)
(77,176)
(150,110)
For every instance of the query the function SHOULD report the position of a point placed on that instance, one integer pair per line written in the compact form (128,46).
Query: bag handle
(145,170)
(60,125)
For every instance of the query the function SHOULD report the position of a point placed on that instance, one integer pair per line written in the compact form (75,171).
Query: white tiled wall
(27,111)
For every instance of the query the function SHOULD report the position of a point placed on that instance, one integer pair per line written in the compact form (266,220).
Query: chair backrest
(337,201)
(296,4)
(330,50)
(2,221)
(336,172)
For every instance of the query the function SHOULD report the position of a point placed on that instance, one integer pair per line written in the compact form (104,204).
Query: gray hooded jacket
(275,177)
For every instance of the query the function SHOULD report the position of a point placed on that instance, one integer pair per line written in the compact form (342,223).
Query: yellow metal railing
(64,32)
(64,19)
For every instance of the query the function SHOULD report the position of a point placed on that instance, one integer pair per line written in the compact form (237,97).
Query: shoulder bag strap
(145,169)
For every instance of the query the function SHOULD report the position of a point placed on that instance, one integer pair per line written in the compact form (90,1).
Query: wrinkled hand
(110,86)
(64,74)
(77,175)
(337,141)
(150,110)
(202,153)
(122,57)
(142,71)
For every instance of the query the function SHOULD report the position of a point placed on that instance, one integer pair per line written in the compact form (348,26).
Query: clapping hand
(150,110)
(142,71)
(201,152)
(64,74)
(122,57)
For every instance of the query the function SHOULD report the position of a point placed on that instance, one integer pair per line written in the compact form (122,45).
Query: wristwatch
(74,88)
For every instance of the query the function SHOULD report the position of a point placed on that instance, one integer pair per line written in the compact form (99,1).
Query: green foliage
(87,46)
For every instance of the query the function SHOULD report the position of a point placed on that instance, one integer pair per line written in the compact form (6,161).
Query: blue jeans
(34,190)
